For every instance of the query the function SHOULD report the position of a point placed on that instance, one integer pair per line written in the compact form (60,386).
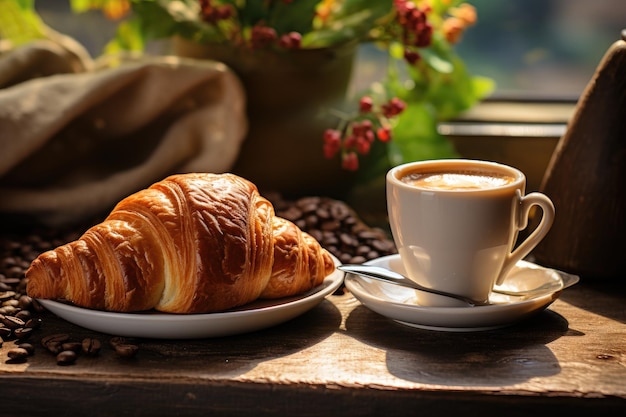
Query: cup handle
(526,203)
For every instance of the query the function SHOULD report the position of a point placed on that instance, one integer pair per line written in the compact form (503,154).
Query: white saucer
(254,316)
(400,303)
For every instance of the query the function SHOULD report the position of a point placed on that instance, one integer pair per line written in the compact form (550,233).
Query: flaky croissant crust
(191,243)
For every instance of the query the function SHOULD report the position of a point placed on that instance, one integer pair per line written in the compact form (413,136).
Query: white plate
(254,316)
(400,303)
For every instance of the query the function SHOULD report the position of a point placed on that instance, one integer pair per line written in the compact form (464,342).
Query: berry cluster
(214,13)
(356,135)
(261,36)
(416,30)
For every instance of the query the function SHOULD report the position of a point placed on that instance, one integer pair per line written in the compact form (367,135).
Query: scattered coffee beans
(333,223)
(336,226)
(54,342)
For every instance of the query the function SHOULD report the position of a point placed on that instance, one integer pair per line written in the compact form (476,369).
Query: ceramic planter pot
(285,93)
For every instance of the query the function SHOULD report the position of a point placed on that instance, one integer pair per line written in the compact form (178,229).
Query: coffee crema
(457,180)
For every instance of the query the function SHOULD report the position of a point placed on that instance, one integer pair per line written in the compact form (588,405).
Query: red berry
(366,104)
(366,125)
(384,134)
(350,161)
(262,36)
(291,40)
(394,107)
(411,56)
(225,11)
(330,150)
(350,142)
(332,136)
(416,30)
(363,145)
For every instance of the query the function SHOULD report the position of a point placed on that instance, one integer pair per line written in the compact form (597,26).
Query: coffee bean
(323,213)
(11,322)
(24,315)
(310,221)
(12,282)
(25,302)
(348,240)
(5,332)
(362,250)
(28,347)
(11,303)
(15,272)
(126,350)
(54,342)
(55,338)
(292,214)
(66,357)
(8,310)
(117,340)
(23,333)
(6,295)
(54,348)
(345,258)
(338,210)
(91,346)
(18,354)
(308,204)
(73,346)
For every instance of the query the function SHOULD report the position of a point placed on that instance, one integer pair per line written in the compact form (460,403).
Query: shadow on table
(241,353)
(486,358)
(232,355)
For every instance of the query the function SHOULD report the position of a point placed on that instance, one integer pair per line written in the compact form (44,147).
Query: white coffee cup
(455,223)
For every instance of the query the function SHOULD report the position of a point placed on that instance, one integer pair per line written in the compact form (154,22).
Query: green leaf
(483,86)
(19,22)
(456,92)
(128,38)
(80,6)
(296,16)
(415,137)
(378,8)
(352,19)
(158,19)
(436,61)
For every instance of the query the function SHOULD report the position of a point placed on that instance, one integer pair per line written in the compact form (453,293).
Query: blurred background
(531,48)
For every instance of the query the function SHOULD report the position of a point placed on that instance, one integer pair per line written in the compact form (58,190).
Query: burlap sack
(75,138)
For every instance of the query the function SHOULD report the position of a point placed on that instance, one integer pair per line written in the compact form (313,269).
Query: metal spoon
(387,275)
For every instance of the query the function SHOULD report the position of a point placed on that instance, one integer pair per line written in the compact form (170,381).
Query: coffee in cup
(457,180)
(456,223)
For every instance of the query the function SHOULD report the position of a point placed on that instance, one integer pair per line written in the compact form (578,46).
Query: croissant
(191,243)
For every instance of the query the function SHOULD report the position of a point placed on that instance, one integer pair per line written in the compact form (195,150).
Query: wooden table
(342,359)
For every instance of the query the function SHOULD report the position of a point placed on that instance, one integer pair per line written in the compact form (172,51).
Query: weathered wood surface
(343,359)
